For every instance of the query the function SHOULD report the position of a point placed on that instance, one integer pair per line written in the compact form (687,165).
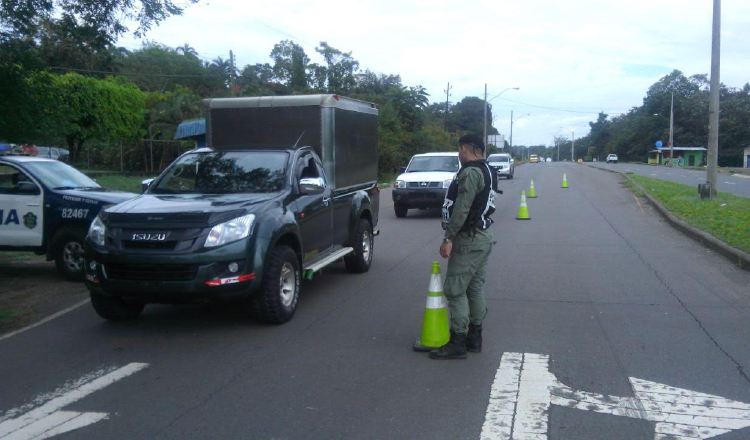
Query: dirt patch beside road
(31,289)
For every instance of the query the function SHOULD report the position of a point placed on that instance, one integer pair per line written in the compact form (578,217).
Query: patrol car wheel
(279,294)
(359,260)
(400,210)
(68,255)
(113,308)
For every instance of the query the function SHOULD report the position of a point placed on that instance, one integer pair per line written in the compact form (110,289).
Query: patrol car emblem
(149,237)
(29,220)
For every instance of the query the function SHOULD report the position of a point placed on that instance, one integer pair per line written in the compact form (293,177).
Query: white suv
(502,163)
(612,158)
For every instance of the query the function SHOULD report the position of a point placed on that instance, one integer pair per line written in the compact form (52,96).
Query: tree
(339,69)
(290,65)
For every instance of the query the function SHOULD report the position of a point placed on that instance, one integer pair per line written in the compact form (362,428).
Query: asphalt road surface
(610,325)
(737,184)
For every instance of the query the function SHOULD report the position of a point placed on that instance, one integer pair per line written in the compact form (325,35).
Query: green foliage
(727,217)
(119,182)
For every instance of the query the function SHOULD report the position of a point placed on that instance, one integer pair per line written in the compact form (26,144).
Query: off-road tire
(113,308)
(67,251)
(362,241)
(277,299)
(400,210)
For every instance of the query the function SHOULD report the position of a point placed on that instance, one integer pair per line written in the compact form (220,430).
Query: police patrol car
(46,207)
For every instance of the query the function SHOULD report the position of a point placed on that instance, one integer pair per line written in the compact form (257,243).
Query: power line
(561,109)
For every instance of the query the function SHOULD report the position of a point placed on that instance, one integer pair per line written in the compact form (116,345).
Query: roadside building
(746,158)
(683,156)
(192,129)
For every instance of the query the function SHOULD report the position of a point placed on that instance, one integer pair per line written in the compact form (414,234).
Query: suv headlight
(229,231)
(97,232)
(447,183)
(400,184)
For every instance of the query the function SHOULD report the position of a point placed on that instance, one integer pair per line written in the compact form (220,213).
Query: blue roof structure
(192,128)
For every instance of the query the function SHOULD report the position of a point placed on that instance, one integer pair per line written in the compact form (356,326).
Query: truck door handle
(326,201)
(32,204)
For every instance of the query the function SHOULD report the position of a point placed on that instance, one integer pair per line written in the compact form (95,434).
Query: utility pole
(713,103)
(671,132)
(447,104)
(511,130)
(231,74)
(484,139)
(572,146)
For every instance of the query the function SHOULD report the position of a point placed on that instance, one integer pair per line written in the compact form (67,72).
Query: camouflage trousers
(464,280)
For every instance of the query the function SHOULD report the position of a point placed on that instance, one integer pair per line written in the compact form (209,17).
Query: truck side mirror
(145,184)
(311,185)
(26,187)
(402,170)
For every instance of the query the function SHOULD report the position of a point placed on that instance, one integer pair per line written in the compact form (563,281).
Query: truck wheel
(279,293)
(359,260)
(68,254)
(113,308)
(400,210)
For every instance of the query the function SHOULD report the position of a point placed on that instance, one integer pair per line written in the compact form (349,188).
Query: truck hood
(179,203)
(427,176)
(99,194)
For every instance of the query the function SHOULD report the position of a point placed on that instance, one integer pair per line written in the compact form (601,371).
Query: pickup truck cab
(424,181)
(249,217)
(46,207)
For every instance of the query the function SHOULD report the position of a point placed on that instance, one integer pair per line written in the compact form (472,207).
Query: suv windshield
(58,175)
(498,158)
(433,163)
(224,173)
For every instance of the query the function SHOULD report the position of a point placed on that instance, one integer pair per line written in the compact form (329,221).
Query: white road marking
(524,389)
(730,183)
(45,320)
(47,419)
(744,176)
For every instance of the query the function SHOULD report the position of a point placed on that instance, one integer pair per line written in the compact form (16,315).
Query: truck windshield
(58,175)
(224,173)
(497,158)
(433,163)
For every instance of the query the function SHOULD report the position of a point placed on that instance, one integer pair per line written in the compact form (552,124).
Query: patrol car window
(10,178)
(224,173)
(433,163)
(58,175)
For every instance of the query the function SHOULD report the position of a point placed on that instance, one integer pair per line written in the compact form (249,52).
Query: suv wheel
(400,210)
(68,254)
(113,308)
(359,261)
(277,299)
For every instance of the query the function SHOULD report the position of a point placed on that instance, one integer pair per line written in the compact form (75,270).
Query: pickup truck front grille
(151,272)
(424,184)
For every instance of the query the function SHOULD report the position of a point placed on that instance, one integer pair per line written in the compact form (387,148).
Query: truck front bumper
(419,197)
(225,273)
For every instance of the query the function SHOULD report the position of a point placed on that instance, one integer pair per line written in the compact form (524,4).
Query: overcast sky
(570,59)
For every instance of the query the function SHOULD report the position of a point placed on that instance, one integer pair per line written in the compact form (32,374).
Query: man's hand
(445,249)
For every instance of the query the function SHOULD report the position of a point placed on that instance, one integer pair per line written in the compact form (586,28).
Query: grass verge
(726,217)
(121,183)
(7,316)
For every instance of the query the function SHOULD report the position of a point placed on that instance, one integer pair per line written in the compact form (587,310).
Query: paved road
(737,184)
(596,293)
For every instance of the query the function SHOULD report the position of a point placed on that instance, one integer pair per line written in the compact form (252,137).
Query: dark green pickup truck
(287,186)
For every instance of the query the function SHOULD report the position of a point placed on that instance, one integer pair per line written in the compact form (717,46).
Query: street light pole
(671,132)
(511,131)
(572,146)
(713,103)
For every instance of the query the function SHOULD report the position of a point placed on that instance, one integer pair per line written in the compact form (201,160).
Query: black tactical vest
(484,202)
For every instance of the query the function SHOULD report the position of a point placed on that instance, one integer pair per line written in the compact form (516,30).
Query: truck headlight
(400,184)
(229,231)
(97,232)
(447,183)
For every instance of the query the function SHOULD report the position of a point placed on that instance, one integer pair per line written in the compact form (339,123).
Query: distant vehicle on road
(549,159)
(46,207)
(422,184)
(503,164)
(533,158)
(53,153)
(611,158)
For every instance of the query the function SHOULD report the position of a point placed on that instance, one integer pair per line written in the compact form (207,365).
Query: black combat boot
(454,349)
(474,338)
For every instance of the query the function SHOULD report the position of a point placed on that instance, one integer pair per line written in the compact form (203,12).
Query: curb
(737,256)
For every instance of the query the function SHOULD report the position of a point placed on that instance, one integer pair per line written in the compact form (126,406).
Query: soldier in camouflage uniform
(469,202)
